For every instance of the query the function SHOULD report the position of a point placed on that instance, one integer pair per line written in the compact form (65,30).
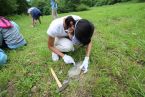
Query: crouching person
(10,37)
(67,32)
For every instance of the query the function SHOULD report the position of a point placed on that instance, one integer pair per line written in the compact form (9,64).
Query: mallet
(60,86)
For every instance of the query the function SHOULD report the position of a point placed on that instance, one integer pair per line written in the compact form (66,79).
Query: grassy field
(117,62)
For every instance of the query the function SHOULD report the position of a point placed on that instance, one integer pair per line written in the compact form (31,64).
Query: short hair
(68,20)
(84,31)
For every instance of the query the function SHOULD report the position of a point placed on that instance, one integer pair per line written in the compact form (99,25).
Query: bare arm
(88,49)
(85,63)
(52,48)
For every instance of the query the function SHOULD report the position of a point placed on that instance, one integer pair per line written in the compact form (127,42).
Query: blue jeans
(3,57)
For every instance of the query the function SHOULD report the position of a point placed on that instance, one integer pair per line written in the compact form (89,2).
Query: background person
(35,14)
(79,32)
(54,8)
(11,38)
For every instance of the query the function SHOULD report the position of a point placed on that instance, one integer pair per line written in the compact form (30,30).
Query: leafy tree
(22,6)
(43,5)
(88,2)
(68,5)
(7,7)
(13,7)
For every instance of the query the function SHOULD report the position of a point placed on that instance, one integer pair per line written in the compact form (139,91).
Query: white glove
(84,65)
(55,57)
(68,59)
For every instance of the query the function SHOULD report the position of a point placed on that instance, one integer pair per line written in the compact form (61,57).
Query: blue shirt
(3,57)
(35,12)
(53,4)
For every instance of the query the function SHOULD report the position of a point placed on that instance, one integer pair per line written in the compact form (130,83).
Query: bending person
(35,14)
(78,32)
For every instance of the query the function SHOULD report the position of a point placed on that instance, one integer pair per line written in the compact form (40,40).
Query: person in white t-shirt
(35,13)
(64,33)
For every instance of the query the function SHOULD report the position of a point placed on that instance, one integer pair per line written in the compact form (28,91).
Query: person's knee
(65,48)
(3,58)
(64,45)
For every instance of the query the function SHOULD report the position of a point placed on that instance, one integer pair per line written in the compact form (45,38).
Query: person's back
(35,11)
(12,38)
(9,37)
(35,14)
(56,28)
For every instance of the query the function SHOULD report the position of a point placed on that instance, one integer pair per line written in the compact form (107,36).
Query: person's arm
(52,48)
(85,63)
(88,49)
(67,59)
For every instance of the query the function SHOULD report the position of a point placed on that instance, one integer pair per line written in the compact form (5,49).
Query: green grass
(117,65)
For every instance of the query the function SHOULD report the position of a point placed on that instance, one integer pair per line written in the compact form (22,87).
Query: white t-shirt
(56,28)
(30,9)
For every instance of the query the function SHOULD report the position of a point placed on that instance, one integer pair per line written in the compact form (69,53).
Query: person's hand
(55,57)
(68,59)
(84,65)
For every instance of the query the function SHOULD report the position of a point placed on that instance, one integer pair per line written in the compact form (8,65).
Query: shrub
(88,2)
(22,6)
(139,0)
(46,10)
(8,7)
(82,7)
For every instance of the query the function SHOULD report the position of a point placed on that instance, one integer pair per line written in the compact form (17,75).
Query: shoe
(55,57)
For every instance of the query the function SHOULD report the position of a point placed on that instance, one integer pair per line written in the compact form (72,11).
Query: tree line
(8,7)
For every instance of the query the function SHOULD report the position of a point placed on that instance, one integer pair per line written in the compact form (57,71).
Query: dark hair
(84,31)
(68,20)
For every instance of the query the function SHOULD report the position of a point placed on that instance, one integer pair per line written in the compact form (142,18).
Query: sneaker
(55,57)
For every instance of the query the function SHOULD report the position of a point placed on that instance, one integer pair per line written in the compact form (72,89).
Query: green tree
(68,5)
(88,2)
(43,5)
(22,6)
(8,7)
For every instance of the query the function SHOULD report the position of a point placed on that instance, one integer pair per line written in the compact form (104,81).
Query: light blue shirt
(53,4)
(3,57)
